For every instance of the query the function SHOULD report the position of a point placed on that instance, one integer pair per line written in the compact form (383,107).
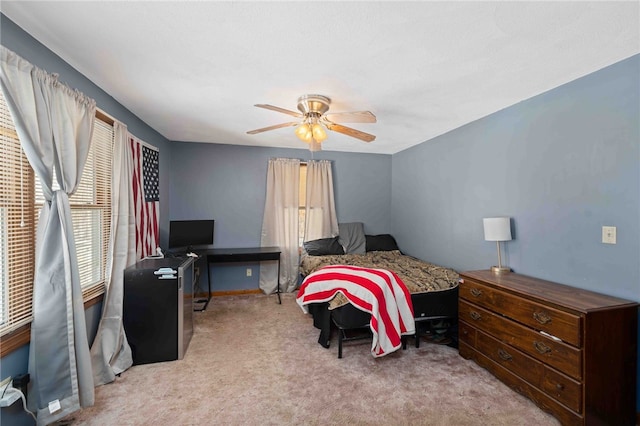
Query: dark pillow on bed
(323,247)
(383,242)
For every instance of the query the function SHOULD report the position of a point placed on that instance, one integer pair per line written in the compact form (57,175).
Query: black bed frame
(428,308)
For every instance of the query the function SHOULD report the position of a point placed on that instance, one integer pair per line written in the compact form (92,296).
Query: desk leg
(208,287)
(278,286)
(208,299)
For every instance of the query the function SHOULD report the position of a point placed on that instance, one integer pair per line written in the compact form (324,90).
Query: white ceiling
(194,70)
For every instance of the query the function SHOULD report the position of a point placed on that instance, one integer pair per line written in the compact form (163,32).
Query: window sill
(20,337)
(14,340)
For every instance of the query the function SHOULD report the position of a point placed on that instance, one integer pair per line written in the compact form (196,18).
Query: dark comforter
(419,276)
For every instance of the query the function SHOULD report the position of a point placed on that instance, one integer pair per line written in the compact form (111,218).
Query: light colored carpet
(252,361)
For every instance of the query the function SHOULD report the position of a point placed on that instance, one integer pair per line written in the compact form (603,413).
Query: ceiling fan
(314,118)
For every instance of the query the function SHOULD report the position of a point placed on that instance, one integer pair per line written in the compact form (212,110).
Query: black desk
(248,254)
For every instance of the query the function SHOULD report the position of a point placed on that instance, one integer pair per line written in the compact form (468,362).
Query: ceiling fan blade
(352,117)
(278,109)
(350,132)
(277,126)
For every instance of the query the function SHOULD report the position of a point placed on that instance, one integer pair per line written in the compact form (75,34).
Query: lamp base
(500,269)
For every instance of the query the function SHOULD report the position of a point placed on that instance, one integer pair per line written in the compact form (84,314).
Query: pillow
(323,247)
(383,242)
(351,236)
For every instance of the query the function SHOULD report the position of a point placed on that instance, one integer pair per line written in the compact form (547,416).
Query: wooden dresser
(572,351)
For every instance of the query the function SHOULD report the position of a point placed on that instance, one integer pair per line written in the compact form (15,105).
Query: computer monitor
(189,235)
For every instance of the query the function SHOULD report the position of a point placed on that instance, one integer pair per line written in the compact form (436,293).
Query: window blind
(17,226)
(91,210)
(20,202)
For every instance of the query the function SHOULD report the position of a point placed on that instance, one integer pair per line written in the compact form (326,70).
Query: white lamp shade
(497,228)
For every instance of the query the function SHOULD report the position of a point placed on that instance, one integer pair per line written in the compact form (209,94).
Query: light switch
(609,234)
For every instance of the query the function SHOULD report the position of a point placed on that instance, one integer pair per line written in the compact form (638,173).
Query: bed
(433,288)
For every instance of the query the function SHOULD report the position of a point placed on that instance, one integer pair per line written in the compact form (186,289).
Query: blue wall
(561,164)
(227,183)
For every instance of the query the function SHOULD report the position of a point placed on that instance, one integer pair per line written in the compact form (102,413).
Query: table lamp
(497,229)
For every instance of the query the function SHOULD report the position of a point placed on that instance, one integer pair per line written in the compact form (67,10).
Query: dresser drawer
(563,389)
(467,334)
(512,359)
(561,356)
(563,325)
(545,402)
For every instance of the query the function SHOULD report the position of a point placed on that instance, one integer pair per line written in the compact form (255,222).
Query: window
(302,204)
(17,221)
(20,202)
(91,210)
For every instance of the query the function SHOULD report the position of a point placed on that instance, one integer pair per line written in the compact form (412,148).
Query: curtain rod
(301,160)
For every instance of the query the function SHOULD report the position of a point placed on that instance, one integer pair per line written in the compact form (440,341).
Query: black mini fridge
(158,308)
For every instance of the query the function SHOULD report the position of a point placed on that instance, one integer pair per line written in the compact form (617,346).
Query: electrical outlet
(609,234)
(249,272)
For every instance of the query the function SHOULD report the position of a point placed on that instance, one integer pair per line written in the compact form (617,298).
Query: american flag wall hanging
(146,196)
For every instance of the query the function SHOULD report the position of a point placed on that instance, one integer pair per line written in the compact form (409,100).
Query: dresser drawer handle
(559,386)
(504,355)
(541,347)
(542,317)
(475,292)
(476,316)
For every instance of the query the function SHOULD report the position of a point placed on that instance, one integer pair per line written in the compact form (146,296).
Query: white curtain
(321,220)
(110,352)
(54,124)
(280,223)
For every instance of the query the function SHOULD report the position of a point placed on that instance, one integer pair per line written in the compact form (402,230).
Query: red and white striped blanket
(379,292)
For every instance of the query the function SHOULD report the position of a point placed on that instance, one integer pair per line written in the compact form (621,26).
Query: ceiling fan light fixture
(318,132)
(314,124)
(304,132)
(313,104)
